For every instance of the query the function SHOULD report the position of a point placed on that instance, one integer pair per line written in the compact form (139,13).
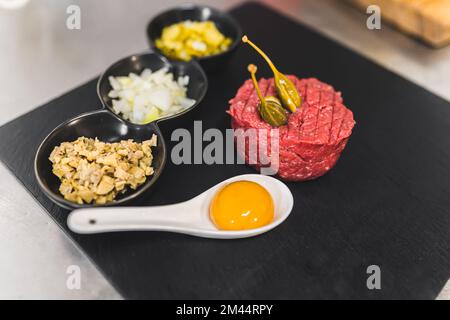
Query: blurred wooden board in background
(428,20)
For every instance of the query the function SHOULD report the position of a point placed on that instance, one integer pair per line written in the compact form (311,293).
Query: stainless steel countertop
(41,59)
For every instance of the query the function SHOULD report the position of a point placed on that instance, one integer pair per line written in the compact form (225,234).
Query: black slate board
(385,203)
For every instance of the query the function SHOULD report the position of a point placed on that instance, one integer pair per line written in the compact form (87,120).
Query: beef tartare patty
(315,135)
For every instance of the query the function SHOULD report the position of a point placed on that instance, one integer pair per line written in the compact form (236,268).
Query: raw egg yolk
(242,205)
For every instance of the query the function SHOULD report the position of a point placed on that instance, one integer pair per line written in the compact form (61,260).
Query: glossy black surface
(226,24)
(385,203)
(108,128)
(196,89)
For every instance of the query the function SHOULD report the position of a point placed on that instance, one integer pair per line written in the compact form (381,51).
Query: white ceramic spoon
(189,217)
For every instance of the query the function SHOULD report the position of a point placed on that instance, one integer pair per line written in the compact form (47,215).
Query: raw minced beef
(315,135)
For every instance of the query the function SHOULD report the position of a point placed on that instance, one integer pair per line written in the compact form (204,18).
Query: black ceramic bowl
(107,127)
(226,24)
(196,89)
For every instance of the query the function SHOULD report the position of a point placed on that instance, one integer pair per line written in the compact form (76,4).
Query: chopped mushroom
(92,171)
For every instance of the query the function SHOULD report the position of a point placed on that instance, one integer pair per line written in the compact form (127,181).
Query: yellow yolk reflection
(242,205)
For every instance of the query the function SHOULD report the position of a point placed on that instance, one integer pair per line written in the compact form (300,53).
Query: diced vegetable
(149,96)
(188,39)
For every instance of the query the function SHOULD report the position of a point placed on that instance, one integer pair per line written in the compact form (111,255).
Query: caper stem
(245,39)
(252,69)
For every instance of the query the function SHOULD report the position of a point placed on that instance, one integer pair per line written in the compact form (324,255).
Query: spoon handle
(159,218)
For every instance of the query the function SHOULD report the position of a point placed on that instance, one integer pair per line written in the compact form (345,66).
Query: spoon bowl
(189,217)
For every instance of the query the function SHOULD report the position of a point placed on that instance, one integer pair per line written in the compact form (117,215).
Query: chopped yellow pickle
(188,39)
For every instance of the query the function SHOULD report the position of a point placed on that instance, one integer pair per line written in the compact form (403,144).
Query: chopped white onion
(149,96)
